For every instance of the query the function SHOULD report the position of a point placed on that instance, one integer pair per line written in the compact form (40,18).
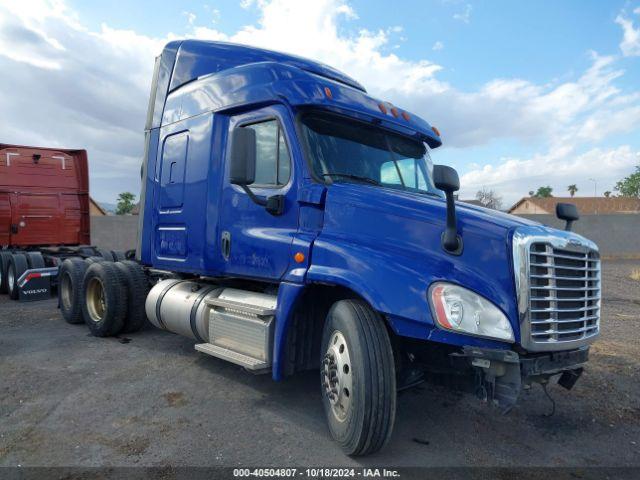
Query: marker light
(406,116)
(394,112)
(299,257)
(327,92)
(382,108)
(436,131)
(460,310)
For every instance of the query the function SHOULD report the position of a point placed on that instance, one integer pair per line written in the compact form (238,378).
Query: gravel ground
(69,399)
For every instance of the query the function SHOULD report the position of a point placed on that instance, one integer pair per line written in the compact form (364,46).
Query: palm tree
(572,189)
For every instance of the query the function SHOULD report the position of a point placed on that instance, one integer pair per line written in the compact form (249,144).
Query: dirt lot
(150,399)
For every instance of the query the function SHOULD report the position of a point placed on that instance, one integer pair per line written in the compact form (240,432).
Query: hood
(395,238)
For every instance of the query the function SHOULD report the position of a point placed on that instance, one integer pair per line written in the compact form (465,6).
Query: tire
(85,250)
(70,294)
(4,265)
(17,266)
(104,306)
(35,260)
(137,291)
(91,260)
(105,254)
(118,255)
(361,418)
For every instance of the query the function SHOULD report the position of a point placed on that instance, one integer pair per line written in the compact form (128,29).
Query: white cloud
(465,15)
(64,84)
(630,44)
(438,46)
(513,178)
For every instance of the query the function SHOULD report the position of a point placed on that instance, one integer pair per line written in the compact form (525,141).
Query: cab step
(250,363)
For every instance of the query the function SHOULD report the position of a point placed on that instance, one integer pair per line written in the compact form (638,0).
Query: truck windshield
(349,151)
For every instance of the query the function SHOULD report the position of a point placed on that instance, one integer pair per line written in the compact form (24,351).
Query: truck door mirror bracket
(567,212)
(446,179)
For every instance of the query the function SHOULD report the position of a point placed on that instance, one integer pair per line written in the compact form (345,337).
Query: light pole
(595,187)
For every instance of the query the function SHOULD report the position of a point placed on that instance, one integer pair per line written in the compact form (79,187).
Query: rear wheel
(17,266)
(105,254)
(35,260)
(358,378)
(118,255)
(137,290)
(4,265)
(70,295)
(105,299)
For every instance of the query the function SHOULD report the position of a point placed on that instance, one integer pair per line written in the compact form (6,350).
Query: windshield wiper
(352,177)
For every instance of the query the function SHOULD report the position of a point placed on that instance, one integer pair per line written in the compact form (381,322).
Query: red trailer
(44,196)
(44,217)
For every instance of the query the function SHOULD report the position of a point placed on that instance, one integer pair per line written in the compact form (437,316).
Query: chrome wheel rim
(66,291)
(96,304)
(337,376)
(10,279)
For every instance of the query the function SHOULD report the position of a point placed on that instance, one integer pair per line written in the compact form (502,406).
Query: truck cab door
(252,241)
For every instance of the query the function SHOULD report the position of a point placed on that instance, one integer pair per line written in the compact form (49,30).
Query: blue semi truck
(290,221)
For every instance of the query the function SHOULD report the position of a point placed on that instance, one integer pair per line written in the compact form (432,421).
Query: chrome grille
(564,293)
(558,281)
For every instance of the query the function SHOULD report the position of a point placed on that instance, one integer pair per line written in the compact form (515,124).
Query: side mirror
(567,212)
(242,170)
(446,179)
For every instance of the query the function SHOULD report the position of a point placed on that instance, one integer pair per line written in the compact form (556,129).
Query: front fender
(396,285)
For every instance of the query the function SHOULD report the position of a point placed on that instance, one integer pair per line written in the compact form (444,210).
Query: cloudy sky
(525,93)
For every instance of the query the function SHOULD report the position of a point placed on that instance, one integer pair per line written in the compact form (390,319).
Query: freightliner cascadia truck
(290,221)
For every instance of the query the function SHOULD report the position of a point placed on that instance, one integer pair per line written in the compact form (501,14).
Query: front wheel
(358,377)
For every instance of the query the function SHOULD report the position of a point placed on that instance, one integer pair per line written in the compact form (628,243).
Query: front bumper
(502,374)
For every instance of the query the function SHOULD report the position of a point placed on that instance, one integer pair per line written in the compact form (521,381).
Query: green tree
(544,192)
(572,189)
(629,186)
(125,203)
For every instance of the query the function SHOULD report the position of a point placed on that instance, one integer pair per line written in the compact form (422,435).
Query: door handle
(225,245)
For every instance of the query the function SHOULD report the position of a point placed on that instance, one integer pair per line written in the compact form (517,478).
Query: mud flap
(35,284)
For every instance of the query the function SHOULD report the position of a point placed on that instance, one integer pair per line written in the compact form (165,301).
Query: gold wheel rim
(96,304)
(66,291)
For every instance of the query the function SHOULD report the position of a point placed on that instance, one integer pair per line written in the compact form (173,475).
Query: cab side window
(273,162)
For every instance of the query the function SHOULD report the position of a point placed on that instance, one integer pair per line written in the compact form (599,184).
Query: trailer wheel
(105,299)
(357,378)
(4,265)
(118,255)
(70,276)
(35,260)
(17,266)
(138,289)
(105,254)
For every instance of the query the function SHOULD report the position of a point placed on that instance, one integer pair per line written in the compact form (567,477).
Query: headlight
(460,310)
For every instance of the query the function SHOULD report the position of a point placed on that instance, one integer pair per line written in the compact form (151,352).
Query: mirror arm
(273,204)
(568,225)
(254,198)
(451,241)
